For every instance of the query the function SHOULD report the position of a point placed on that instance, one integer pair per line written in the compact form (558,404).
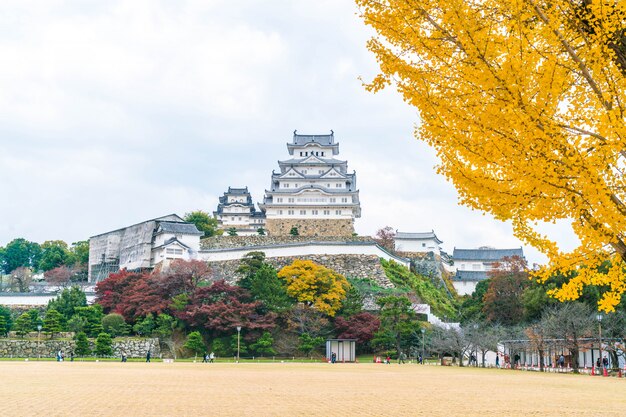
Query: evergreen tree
(3,326)
(67,302)
(114,324)
(195,343)
(6,313)
(232,231)
(265,286)
(145,327)
(23,324)
(35,319)
(103,345)
(294,231)
(52,322)
(261,231)
(82,344)
(264,345)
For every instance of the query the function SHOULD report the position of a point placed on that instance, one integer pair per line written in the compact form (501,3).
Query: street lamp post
(423,331)
(599,318)
(238,338)
(38,345)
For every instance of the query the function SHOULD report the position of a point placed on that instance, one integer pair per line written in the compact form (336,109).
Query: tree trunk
(541,363)
(575,364)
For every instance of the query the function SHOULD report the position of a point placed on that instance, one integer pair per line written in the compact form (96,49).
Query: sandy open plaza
(291,389)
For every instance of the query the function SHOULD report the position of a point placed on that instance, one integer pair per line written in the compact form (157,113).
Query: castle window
(290,200)
(333,199)
(317,154)
(290,212)
(322,153)
(326,212)
(296,185)
(302,212)
(285,185)
(337,211)
(337,185)
(314,212)
(280,212)
(321,171)
(279,200)
(300,153)
(328,185)
(344,199)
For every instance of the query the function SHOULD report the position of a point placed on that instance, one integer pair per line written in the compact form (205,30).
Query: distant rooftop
(179,228)
(325,140)
(485,254)
(470,276)
(232,190)
(418,236)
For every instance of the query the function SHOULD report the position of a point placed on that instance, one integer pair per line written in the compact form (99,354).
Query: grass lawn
(285,389)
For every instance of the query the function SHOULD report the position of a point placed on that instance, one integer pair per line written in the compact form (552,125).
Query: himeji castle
(313,192)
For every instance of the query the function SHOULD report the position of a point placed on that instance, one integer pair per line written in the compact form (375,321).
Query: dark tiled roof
(470,276)
(485,254)
(182,228)
(417,236)
(232,190)
(324,140)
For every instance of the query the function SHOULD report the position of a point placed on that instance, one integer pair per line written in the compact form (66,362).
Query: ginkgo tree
(524,102)
(315,285)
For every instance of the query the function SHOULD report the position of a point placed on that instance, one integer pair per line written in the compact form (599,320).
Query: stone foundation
(48,348)
(356,266)
(310,227)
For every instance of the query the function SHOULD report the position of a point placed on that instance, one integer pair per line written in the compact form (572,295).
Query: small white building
(473,265)
(236,211)
(420,242)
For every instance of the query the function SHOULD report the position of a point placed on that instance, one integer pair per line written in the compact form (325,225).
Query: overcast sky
(115,112)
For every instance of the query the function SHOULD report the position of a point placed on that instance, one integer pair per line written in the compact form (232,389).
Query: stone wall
(357,266)
(46,348)
(229,242)
(310,227)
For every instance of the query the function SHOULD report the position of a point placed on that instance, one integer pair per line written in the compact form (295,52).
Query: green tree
(76,324)
(195,343)
(67,302)
(146,326)
(294,231)
(104,345)
(472,305)
(264,344)
(260,231)
(114,324)
(203,221)
(82,344)
(54,253)
(165,325)
(265,286)
(80,252)
(23,324)
(35,319)
(232,231)
(248,267)
(3,326)
(308,343)
(20,253)
(353,304)
(6,313)
(93,316)
(220,348)
(243,348)
(397,318)
(52,322)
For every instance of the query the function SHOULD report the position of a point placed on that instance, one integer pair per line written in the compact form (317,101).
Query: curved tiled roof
(178,228)
(485,254)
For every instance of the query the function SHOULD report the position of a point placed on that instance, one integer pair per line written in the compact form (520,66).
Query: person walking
(388,360)
(497,361)
(333,357)
(401,358)
(605,362)
(205,358)
(148,356)
(211,357)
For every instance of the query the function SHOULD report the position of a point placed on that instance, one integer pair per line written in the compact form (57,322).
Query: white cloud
(115,112)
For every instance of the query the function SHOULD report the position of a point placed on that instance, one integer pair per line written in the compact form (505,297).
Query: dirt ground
(188,389)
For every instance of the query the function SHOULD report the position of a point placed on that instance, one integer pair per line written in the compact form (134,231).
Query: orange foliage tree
(315,285)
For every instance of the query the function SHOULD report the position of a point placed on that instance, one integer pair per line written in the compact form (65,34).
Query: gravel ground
(281,389)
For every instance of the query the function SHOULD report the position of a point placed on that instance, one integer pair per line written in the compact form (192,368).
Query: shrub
(103,345)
